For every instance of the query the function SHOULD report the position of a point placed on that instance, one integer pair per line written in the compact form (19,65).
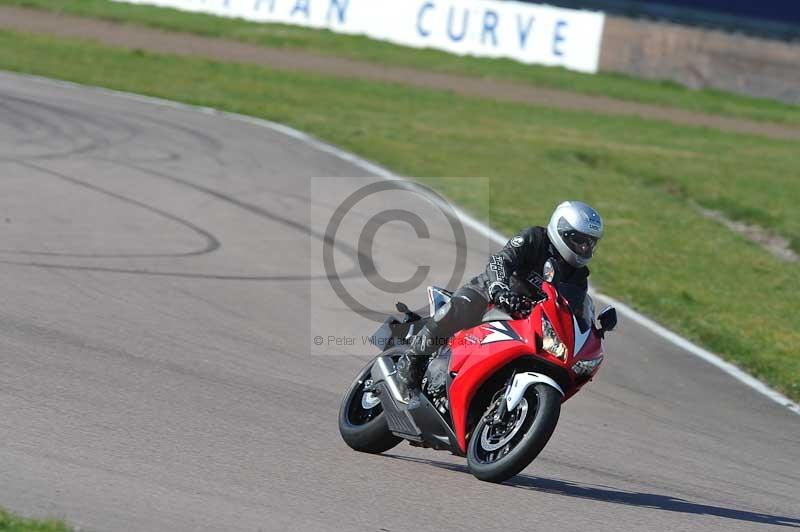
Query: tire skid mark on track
(185,275)
(208,141)
(77,120)
(212,146)
(211,242)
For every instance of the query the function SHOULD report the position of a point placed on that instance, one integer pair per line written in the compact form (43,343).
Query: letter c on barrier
(425,7)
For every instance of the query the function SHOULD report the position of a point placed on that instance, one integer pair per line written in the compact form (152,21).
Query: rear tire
(495,457)
(364,429)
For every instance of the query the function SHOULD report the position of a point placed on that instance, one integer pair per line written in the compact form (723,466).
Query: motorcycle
(494,392)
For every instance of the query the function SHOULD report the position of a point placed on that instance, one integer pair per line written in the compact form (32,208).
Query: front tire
(497,452)
(362,422)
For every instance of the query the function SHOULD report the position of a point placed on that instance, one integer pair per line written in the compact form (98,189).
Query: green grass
(282,36)
(13,523)
(660,255)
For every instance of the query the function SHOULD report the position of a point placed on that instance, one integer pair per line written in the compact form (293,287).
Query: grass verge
(13,523)
(617,86)
(660,255)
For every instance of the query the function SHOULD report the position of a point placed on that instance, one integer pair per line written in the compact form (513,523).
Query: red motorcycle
(494,393)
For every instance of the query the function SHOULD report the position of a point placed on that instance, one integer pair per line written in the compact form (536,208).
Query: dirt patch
(775,244)
(154,40)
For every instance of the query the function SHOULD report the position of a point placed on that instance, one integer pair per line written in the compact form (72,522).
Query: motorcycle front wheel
(499,450)
(362,422)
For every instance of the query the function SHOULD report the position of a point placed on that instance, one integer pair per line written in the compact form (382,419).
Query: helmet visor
(582,244)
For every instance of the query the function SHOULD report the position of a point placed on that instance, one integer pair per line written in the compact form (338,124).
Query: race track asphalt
(162,283)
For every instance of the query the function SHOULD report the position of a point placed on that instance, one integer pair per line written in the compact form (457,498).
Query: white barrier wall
(526,32)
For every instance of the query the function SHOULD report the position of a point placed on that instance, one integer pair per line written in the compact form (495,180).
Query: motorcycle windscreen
(580,303)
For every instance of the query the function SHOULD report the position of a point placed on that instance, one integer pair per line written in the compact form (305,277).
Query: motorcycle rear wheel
(364,429)
(497,452)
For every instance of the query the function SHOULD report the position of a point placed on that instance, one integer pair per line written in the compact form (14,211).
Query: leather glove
(511,302)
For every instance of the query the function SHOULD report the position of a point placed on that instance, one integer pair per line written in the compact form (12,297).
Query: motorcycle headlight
(550,340)
(585,367)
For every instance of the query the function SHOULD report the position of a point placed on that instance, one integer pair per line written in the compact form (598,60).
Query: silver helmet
(574,229)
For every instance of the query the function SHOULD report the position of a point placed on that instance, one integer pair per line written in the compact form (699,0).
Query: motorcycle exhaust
(384,370)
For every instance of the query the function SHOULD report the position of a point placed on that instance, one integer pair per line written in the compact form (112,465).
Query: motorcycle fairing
(472,371)
(417,422)
(499,331)
(473,361)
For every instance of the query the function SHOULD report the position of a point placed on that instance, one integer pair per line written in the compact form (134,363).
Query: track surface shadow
(613,496)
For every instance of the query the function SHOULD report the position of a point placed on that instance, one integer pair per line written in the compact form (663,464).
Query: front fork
(515,391)
(502,409)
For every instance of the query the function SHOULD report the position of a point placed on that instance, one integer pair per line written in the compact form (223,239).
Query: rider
(570,239)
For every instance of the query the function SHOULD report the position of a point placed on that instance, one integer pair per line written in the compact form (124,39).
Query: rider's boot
(463,310)
(410,365)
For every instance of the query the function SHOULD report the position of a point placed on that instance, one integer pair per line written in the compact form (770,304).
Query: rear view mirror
(607,319)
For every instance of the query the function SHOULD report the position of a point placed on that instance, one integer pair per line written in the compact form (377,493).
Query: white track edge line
(468,220)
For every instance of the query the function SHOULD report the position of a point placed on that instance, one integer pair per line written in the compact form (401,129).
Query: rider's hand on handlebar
(515,304)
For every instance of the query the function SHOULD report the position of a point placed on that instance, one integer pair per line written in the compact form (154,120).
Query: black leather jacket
(526,254)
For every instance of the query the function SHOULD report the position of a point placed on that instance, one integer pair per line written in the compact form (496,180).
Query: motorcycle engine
(434,383)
